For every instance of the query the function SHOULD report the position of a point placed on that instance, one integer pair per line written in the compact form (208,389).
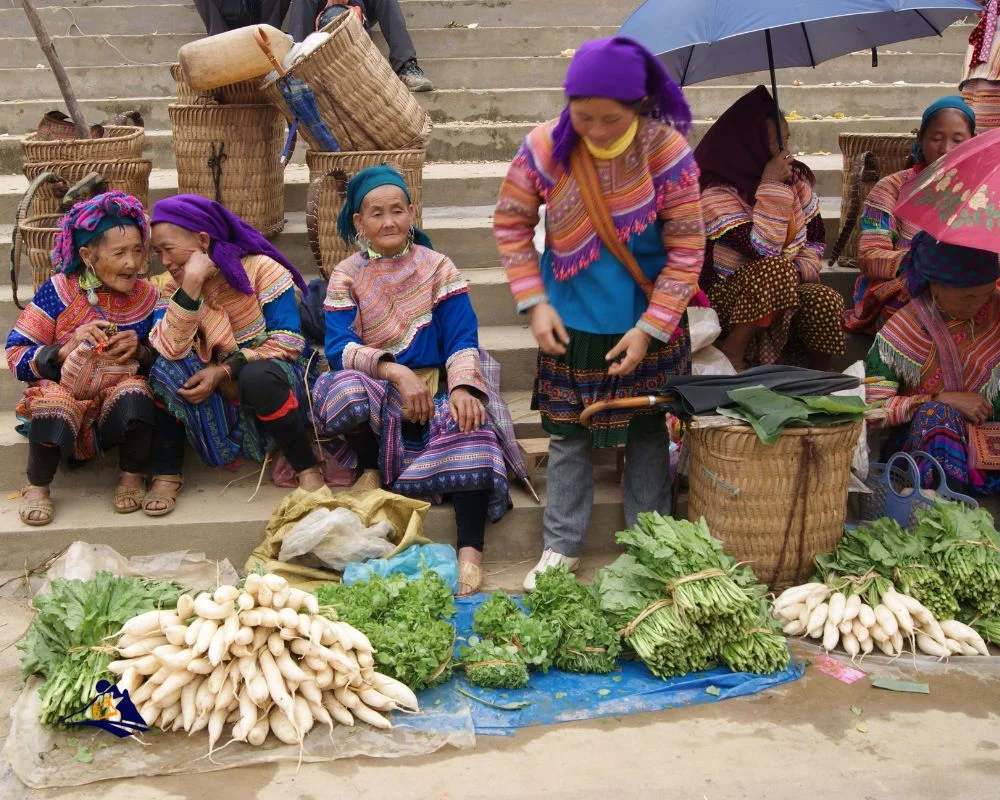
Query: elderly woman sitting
(79,345)
(231,370)
(938,359)
(407,392)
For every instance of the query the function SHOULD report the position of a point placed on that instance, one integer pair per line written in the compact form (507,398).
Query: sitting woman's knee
(263,387)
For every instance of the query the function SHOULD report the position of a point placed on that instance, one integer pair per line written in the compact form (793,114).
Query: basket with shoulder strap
(360,98)
(35,235)
(131,177)
(328,177)
(242,93)
(868,157)
(119,142)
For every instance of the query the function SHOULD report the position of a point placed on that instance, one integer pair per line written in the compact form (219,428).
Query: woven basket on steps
(131,177)
(230,153)
(868,157)
(360,98)
(328,177)
(242,93)
(119,142)
(775,506)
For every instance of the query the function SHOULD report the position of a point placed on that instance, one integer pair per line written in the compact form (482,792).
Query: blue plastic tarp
(558,696)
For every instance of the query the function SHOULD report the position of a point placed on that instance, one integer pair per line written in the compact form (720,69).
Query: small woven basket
(123,142)
(775,506)
(38,235)
(131,177)
(231,153)
(328,177)
(868,157)
(360,98)
(242,93)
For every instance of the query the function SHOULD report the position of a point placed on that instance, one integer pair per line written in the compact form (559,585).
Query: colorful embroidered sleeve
(514,222)
(344,348)
(878,256)
(276,294)
(807,260)
(772,212)
(34,330)
(176,325)
(683,234)
(457,319)
(900,407)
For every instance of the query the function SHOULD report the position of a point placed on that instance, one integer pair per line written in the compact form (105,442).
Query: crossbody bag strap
(600,216)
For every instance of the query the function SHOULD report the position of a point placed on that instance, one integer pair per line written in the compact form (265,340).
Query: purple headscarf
(619,69)
(232,238)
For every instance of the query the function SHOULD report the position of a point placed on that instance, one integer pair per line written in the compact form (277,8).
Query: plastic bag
(859,461)
(703,327)
(441,558)
(711,361)
(337,537)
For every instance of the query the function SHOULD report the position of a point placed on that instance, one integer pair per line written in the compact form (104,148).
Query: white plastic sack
(337,538)
(704,328)
(859,461)
(711,361)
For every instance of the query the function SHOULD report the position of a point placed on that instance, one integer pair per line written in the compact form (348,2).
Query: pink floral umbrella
(957,198)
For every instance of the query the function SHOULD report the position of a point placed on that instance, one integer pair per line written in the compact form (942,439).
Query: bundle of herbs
(586,640)
(69,642)
(405,620)
(678,599)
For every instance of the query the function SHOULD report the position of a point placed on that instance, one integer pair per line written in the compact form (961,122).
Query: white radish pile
(261,658)
(817,611)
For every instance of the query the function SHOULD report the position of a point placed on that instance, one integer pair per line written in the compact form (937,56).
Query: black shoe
(413,77)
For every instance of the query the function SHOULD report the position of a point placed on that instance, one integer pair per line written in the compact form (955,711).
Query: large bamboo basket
(242,93)
(131,177)
(123,142)
(328,177)
(230,153)
(773,506)
(360,98)
(868,157)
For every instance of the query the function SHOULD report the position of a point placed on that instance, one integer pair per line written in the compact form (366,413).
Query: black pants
(264,389)
(133,450)
(387,13)
(220,16)
(470,507)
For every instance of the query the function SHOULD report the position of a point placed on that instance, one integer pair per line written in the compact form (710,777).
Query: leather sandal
(127,498)
(470,578)
(42,505)
(167,497)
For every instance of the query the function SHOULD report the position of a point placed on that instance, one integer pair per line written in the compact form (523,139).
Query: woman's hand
(467,410)
(418,405)
(123,346)
(199,387)
(633,346)
(973,406)
(778,169)
(548,329)
(90,332)
(198,269)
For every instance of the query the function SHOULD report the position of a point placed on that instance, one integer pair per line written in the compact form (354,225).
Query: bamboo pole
(45,41)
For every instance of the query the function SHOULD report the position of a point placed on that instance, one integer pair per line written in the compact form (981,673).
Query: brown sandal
(470,576)
(167,497)
(310,471)
(127,497)
(43,505)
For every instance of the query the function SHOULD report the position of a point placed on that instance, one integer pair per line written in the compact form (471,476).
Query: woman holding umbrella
(765,240)
(606,300)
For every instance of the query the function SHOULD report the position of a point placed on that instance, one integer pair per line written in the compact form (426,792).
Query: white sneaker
(550,558)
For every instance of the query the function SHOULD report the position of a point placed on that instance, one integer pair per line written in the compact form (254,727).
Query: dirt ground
(802,739)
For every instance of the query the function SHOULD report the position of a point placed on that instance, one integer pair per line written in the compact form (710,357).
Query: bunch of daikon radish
(262,658)
(819,612)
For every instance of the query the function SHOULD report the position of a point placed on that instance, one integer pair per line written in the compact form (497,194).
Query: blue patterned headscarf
(88,219)
(930,261)
(358,188)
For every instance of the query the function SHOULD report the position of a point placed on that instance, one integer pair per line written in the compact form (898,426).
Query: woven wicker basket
(328,177)
(131,177)
(360,98)
(242,93)
(868,157)
(119,142)
(248,178)
(773,506)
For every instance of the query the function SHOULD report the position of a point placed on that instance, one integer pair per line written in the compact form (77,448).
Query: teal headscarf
(358,188)
(953,102)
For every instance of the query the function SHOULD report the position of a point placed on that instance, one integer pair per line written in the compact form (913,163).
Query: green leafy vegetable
(66,641)
(405,620)
(494,665)
(768,412)
(500,619)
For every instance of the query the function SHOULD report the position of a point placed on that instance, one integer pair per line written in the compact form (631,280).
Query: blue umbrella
(718,38)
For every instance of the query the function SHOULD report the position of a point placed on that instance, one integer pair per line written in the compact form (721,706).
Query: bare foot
(311,479)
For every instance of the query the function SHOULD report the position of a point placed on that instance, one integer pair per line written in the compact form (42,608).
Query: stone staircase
(495,80)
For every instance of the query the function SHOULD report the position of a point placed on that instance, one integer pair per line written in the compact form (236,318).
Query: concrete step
(482,141)
(225,525)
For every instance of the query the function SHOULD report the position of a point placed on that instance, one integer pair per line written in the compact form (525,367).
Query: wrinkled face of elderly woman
(174,245)
(118,257)
(385,220)
(962,302)
(600,119)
